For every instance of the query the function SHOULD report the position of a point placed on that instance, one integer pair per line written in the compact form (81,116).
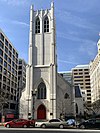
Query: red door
(41,112)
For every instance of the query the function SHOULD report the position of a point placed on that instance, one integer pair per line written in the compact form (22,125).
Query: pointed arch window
(76,108)
(41,93)
(66,96)
(37,25)
(46,24)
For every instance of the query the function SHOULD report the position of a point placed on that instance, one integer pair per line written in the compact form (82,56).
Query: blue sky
(77,28)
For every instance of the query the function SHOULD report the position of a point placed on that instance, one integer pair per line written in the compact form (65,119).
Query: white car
(39,123)
(53,123)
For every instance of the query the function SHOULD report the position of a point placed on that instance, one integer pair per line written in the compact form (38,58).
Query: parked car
(38,123)
(53,123)
(90,123)
(20,123)
(71,122)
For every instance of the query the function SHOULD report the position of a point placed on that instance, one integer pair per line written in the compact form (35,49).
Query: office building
(21,76)
(8,75)
(95,76)
(81,78)
(67,75)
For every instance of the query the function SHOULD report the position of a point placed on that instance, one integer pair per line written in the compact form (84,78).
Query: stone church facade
(46,95)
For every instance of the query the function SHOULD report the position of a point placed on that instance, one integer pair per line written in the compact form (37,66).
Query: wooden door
(41,112)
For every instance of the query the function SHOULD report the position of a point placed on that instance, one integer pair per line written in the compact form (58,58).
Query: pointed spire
(99,39)
(52,4)
(32,7)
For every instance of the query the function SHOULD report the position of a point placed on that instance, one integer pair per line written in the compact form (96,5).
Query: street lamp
(33,102)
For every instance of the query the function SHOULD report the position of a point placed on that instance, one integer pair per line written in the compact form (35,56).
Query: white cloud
(73,36)
(88,47)
(85,46)
(20,23)
(68,17)
(68,62)
(15,2)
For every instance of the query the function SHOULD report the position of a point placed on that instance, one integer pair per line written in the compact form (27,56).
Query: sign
(10,116)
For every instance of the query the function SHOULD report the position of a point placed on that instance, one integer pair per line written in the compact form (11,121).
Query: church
(46,95)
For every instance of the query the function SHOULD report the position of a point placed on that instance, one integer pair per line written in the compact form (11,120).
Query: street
(40,130)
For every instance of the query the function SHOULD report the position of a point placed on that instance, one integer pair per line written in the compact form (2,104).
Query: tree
(94,109)
(62,103)
(96,106)
(4,101)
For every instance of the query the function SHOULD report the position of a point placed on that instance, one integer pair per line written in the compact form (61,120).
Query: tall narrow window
(41,94)
(37,25)
(46,24)
(66,96)
(76,108)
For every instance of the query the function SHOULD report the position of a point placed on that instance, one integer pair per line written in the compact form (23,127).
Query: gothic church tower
(39,97)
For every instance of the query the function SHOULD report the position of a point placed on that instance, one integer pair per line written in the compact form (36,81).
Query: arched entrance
(41,112)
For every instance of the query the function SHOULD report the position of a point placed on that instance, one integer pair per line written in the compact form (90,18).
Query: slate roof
(78,92)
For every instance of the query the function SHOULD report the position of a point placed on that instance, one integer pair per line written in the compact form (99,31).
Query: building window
(87,83)
(15,79)
(5,64)
(9,60)
(1,52)
(12,105)
(46,24)
(5,71)
(87,79)
(16,61)
(13,51)
(4,78)
(20,62)
(10,54)
(12,77)
(5,56)
(86,72)
(6,42)
(86,69)
(37,25)
(1,37)
(12,70)
(15,73)
(88,94)
(1,45)
(10,47)
(4,86)
(41,94)
(0,78)
(80,69)
(88,98)
(17,55)
(80,73)
(87,76)
(66,96)
(9,74)
(8,81)
(1,60)
(76,108)
(0,68)
(13,64)
(19,72)
(6,49)
(75,73)
(8,88)
(88,90)
(9,67)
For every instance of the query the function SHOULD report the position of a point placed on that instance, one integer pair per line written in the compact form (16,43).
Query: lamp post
(33,102)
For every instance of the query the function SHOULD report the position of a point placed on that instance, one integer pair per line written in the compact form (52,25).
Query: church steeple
(31,35)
